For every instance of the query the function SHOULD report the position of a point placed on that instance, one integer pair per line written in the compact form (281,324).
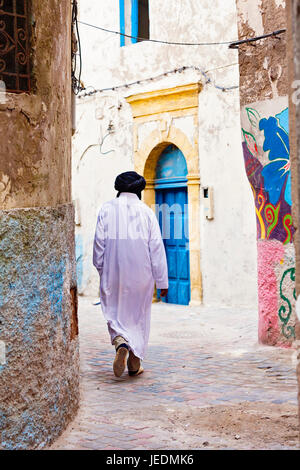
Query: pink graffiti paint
(269,254)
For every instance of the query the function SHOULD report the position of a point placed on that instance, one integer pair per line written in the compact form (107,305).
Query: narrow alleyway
(207,385)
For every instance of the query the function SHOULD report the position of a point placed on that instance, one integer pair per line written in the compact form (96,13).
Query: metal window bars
(14,45)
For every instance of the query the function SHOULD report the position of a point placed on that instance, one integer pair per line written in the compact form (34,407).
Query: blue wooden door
(172,212)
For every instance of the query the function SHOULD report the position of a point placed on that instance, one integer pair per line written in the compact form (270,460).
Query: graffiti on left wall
(271,181)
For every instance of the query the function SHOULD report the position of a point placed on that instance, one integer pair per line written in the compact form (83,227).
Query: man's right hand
(163,292)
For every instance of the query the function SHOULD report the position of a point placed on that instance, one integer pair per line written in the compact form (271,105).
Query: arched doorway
(171,198)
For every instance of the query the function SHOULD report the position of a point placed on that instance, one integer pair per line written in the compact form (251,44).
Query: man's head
(130,182)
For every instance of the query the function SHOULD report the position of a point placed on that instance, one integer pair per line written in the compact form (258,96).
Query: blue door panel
(169,198)
(181,198)
(182,264)
(183,243)
(172,265)
(172,199)
(186,228)
(176,242)
(183,292)
(172,229)
(172,292)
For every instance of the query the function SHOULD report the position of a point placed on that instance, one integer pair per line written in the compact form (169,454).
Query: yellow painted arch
(163,107)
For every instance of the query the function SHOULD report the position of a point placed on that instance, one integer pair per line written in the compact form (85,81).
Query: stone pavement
(207,384)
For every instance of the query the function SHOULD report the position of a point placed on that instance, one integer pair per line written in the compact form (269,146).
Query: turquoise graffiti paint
(277,173)
(79,260)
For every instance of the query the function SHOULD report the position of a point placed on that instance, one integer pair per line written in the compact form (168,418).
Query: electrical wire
(179,70)
(221,67)
(138,38)
(233,44)
(76,81)
(100,144)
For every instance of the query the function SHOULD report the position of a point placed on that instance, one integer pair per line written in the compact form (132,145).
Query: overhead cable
(231,44)
(178,70)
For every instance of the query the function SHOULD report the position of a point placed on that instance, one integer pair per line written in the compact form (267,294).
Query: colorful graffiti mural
(267,161)
(285,311)
(270,183)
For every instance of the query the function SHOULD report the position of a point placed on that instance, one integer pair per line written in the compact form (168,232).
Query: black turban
(130,182)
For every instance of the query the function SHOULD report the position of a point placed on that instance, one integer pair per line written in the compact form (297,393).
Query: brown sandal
(134,365)
(120,359)
(137,372)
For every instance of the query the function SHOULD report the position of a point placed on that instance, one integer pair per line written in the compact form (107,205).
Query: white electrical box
(76,204)
(208,202)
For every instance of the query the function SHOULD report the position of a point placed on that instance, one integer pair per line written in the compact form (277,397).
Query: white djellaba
(130,257)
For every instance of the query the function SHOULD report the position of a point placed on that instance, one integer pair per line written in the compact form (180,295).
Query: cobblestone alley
(207,384)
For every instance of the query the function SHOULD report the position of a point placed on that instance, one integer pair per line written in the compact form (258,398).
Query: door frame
(154,117)
(171,185)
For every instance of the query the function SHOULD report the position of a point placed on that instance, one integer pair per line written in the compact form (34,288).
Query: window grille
(14,45)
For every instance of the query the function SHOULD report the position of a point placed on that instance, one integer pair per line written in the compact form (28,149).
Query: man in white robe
(130,257)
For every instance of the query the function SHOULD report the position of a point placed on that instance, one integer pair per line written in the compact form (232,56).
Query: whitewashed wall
(228,243)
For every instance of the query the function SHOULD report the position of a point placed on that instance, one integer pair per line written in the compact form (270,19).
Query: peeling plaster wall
(39,380)
(252,15)
(265,141)
(263,68)
(35,160)
(94,173)
(293,56)
(39,364)
(228,248)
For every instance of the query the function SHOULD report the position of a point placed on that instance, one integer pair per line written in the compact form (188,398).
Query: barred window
(14,45)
